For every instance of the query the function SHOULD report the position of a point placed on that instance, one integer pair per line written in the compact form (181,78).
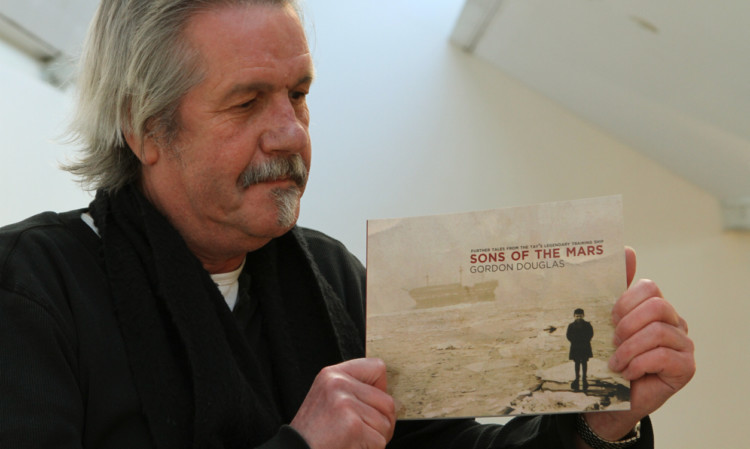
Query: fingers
(378,425)
(652,309)
(653,350)
(654,336)
(638,293)
(365,381)
(347,406)
(361,421)
(352,389)
(645,321)
(673,367)
(370,371)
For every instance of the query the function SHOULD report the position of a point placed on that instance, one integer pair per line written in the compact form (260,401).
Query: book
(473,313)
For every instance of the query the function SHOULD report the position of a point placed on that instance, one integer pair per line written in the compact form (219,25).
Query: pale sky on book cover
(404,254)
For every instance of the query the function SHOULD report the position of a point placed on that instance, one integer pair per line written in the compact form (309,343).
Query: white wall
(404,124)
(32,117)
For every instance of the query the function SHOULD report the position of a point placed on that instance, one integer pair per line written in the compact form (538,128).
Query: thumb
(629,264)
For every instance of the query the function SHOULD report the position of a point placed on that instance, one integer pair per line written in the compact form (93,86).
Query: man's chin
(287,203)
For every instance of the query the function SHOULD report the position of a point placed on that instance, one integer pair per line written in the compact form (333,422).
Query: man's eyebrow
(259,86)
(307,79)
(243,88)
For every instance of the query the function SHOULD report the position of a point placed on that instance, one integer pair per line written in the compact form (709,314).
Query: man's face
(249,110)
(578,316)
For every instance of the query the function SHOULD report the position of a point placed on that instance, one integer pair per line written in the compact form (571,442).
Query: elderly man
(183,308)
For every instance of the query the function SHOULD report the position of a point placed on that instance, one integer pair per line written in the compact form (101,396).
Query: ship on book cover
(498,313)
(451,294)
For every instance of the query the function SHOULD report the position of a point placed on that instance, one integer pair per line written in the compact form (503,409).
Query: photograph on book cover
(498,313)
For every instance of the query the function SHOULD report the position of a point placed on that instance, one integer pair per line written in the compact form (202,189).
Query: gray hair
(134,71)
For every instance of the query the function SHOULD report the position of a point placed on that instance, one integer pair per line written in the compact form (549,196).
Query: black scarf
(201,385)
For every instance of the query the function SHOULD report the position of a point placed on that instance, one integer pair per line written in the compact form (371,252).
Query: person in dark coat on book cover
(185,309)
(579,335)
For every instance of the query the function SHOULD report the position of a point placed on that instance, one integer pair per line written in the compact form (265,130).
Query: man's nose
(286,129)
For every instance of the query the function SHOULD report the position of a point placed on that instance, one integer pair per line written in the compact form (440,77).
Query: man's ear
(145,148)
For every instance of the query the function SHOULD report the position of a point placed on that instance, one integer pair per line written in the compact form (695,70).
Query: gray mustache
(292,167)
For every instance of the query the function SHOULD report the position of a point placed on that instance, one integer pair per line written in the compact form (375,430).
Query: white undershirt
(228,283)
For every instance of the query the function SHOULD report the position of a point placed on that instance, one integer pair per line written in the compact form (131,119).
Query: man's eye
(246,104)
(298,95)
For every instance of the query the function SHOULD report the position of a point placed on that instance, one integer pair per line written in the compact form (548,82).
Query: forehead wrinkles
(257,33)
(241,44)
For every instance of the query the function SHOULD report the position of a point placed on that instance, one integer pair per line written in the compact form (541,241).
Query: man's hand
(347,406)
(653,351)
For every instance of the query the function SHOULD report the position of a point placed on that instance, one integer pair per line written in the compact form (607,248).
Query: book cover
(499,312)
